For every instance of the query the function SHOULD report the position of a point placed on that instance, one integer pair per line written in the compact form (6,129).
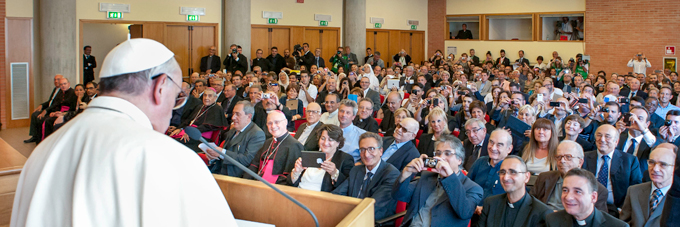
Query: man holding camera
(338,60)
(235,61)
(304,56)
(636,138)
(443,196)
(639,63)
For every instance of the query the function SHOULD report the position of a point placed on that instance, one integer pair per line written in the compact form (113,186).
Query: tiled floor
(15,137)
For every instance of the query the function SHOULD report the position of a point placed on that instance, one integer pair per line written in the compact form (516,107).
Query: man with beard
(277,60)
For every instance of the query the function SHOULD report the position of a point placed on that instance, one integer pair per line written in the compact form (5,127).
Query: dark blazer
(468,147)
(47,102)
(407,58)
(89,68)
(639,93)
(407,86)
(380,187)
(456,208)
(643,149)
(232,64)
(426,144)
(671,210)
(312,144)
(264,64)
(343,162)
(545,184)
(242,148)
(533,212)
(585,144)
(319,64)
(464,34)
(388,119)
(563,219)
(524,60)
(505,62)
(656,122)
(635,210)
(214,64)
(352,57)
(369,124)
(229,110)
(280,62)
(403,155)
(375,97)
(624,172)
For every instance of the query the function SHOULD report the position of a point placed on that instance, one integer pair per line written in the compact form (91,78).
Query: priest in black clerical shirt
(206,118)
(515,207)
(364,119)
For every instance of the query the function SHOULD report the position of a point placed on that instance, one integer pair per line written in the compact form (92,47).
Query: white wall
(19,8)
(103,38)
(508,29)
(514,6)
(397,13)
(297,14)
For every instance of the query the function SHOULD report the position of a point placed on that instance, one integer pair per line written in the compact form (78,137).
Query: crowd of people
(484,141)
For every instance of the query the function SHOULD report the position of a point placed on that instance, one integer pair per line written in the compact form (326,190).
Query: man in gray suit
(351,57)
(644,202)
(241,142)
(515,207)
(579,193)
(306,134)
(484,86)
(368,93)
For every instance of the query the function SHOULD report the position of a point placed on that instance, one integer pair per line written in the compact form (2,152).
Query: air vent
(192,11)
(322,17)
(19,83)
(413,22)
(114,7)
(377,20)
(270,14)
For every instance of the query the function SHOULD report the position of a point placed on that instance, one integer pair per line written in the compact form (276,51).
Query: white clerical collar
(581,222)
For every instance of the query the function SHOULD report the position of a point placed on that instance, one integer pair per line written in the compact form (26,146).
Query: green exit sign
(414,27)
(377,25)
(193,18)
(273,21)
(114,15)
(323,23)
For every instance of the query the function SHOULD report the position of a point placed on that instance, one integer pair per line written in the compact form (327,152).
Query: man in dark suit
(235,61)
(89,63)
(614,169)
(642,210)
(474,58)
(671,209)
(277,60)
(259,60)
(241,142)
(306,57)
(578,198)
(399,150)
(318,60)
(369,93)
(515,207)
(392,104)
(409,79)
(374,178)
(475,145)
(38,110)
(502,60)
(264,107)
(64,97)
(637,139)
(522,60)
(307,133)
(634,90)
(464,34)
(548,185)
(211,62)
(229,101)
(443,196)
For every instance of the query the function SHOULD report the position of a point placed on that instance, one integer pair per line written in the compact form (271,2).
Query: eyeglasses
(313,111)
(182,97)
(568,157)
(443,153)
(415,91)
(512,172)
(652,163)
(403,130)
(474,130)
(369,149)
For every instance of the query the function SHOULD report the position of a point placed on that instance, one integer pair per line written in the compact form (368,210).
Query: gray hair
(248,107)
(478,122)
(411,68)
(350,103)
(137,82)
(373,135)
(455,144)
(367,100)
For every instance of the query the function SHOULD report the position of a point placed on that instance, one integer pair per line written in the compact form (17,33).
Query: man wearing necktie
(636,138)
(89,63)
(634,90)
(521,59)
(318,60)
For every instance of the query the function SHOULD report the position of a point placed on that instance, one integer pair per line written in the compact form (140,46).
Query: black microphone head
(193,133)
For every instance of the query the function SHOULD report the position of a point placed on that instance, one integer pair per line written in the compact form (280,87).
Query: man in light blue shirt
(346,113)
(665,96)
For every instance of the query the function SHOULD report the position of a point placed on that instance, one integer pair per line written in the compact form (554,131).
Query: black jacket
(312,144)
(379,188)
(214,64)
(232,64)
(278,62)
(405,154)
(343,162)
(531,213)
(264,64)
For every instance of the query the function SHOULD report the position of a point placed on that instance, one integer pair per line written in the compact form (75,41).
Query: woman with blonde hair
(539,152)
(438,126)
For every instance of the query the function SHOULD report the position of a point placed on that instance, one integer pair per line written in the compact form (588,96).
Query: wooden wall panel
(259,39)
(395,45)
(136,31)
(155,31)
(19,48)
(382,44)
(297,36)
(280,38)
(329,44)
(370,40)
(417,47)
(202,38)
(179,44)
(313,38)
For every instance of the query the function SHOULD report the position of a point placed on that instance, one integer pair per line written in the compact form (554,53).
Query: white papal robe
(108,167)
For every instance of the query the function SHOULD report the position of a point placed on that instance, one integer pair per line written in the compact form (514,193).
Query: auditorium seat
(382,99)
(378,120)
(406,95)
(420,132)
(299,122)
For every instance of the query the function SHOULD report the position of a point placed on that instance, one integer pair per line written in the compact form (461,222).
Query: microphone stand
(194,133)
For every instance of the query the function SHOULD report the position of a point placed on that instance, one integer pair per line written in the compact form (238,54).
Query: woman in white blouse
(333,171)
(539,152)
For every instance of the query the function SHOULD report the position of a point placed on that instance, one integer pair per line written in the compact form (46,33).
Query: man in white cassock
(112,165)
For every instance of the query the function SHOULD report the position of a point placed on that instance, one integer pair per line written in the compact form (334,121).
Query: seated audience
(335,168)
(64,116)
(207,118)
(399,148)
(276,159)
(539,151)
(62,99)
(364,119)
(476,143)
(310,129)
(485,170)
(346,114)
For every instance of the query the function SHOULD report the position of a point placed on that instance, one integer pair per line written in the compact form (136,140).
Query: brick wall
(4,81)
(617,30)
(436,26)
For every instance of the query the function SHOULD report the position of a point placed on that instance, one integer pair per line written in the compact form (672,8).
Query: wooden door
(136,31)
(279,38)
(382,45)
(202,38)
(418,47)
(329,44)
(395,46)
(313,38)
(259,39)
(370,40)
(179,44)
(155,31)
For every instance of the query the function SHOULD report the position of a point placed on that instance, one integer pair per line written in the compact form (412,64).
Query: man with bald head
(65,100)
(211,63)
(392,103)
(644,202)
(613,168)
(276,159)
(634,90)
(548,186)
(484,170)
(399,150)
(307,133)
(39,110)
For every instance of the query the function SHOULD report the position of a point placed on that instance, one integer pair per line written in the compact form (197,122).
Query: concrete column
(58,44)
(236,26)
(354,27)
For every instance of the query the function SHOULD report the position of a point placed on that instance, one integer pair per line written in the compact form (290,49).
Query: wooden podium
(254,201)
(11,162)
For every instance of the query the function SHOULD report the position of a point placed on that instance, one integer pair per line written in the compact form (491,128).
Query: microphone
(195,134)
